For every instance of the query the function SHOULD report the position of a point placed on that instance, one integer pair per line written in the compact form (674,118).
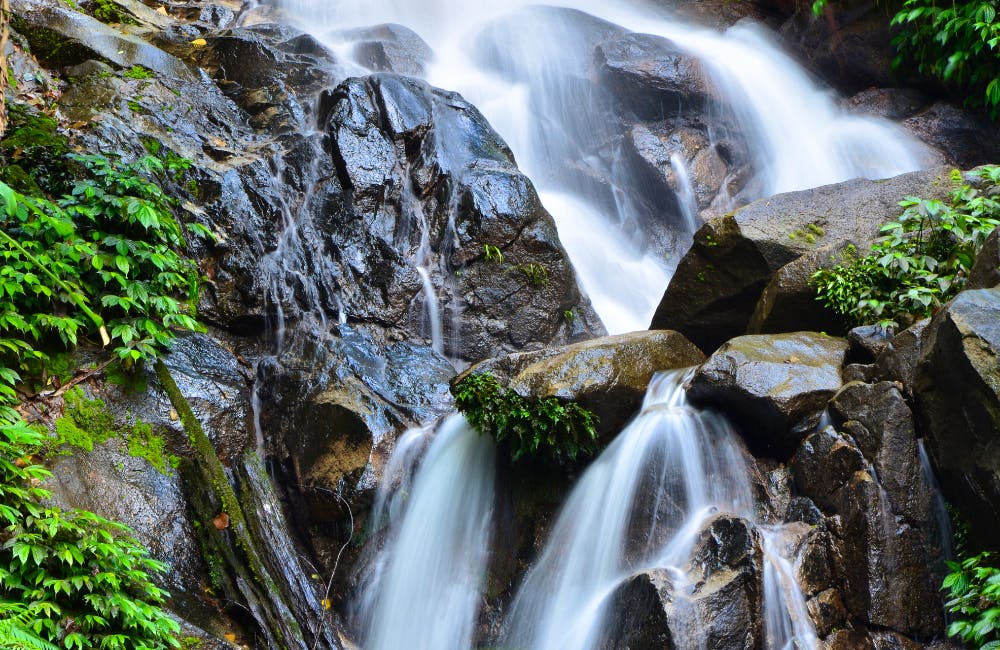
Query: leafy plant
(920,261)
(548,426)
(107,253)
(536,274)
(138,72)
(956,42)
(492,254)
(81,582)
(973,599)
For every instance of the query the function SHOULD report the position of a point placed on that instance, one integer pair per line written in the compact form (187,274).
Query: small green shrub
(536,274)
(492,253)
(920,261)
(973,599)
(546,427)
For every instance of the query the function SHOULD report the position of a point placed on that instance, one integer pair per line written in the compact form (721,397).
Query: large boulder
(957,390)
(712,295)
(880,560)
(985,273)
(774,386)
(607,375)
(880,421)
(438,190)
(723,610)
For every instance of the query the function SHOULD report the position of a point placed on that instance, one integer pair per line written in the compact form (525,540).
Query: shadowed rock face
(774,386)
(957,390)
(723,610)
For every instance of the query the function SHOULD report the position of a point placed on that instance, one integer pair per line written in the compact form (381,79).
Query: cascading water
(526,69)
(421,587)
(641,506)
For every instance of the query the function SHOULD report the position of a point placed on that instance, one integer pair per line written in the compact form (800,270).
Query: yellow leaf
(325,603)
(199,42)
(161,10)
(230,637)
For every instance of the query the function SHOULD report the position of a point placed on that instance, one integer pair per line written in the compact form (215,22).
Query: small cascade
(940,508)
(413,213)
(685,194)
(431,528)
(641,506)
(527,68)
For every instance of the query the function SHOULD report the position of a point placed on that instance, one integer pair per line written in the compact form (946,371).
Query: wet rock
(863,372)
(607,375)
(789,302)
(650,75)
(957,391)
(389,48)
(880,561)
(985,273)
(868,342)
(966,137)
(827,611)
(714,291)
(423,163)
(847,640)
(898,361)
(723,611)
(61,36)
(335,408)
(803,509)
(640,616)
(886,436)
(890,103)
(774,386)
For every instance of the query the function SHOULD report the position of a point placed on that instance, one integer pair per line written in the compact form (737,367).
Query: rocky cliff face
(375,235)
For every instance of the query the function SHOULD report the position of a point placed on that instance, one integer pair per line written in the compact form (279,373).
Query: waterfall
(434,514)
(527,76)
(685,193)
(641,506)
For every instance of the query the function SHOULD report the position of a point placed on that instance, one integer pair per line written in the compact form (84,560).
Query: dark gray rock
(607,375)
(722,612)
(774,386)
(898,361)
(868,342)
(61,36)
(966,137)
(789,302)
(957,391)
(389,48)
(885,433)
(714,291)
(863,372)
(880,561)
(411,155)
(985,273)
(650,75)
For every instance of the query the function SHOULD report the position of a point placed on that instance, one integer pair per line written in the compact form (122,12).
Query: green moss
(536,274)
(108,11)
(191,643)
(87,422)
(138,72)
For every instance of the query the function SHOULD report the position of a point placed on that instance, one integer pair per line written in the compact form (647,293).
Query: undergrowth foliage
(920,261)
(547,427)
(956,42)
(973,599)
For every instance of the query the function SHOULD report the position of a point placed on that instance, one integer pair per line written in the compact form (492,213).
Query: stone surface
(985,273)
(607,375)
(957,391)
(898,361)
(774,386)
(714,291)
(965,137)
(389,48)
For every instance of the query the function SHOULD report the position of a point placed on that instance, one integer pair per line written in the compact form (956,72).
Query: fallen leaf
(221,521)
(793,359)
(173,415)
(325,603)
(162,10)
(199,42)
(230,637)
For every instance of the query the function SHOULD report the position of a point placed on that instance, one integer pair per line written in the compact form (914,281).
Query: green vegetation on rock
(921,260)
(547,427)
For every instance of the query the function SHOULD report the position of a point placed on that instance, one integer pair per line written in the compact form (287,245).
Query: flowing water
(642,506)
(434,513)
(526,68)
(643,503)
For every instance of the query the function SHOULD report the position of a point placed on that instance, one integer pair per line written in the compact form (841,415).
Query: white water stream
(525,72)
(642,503)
